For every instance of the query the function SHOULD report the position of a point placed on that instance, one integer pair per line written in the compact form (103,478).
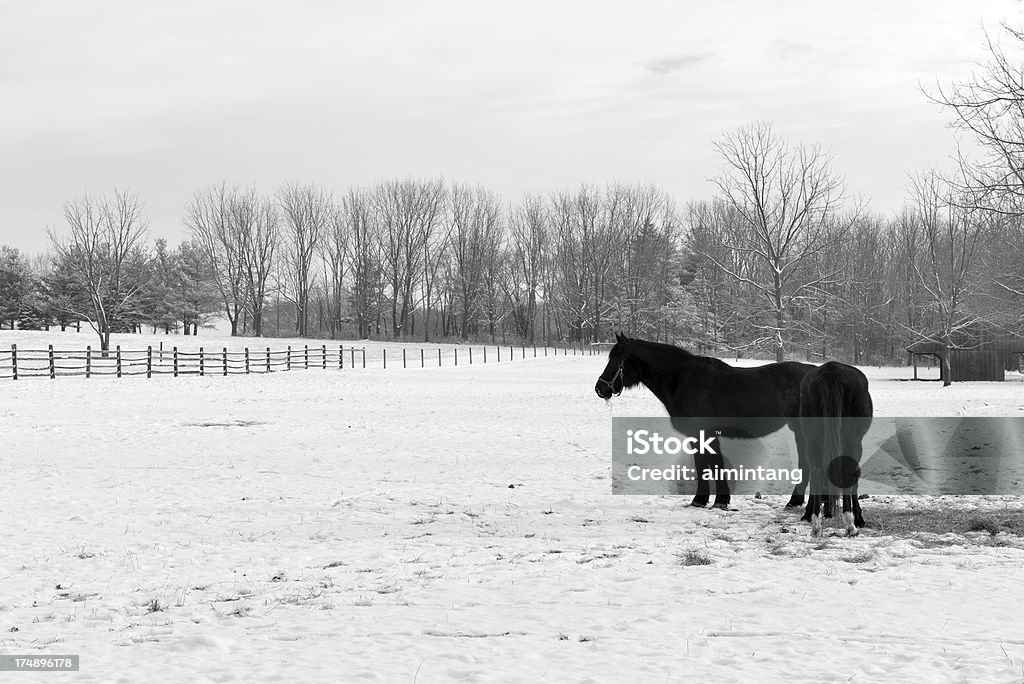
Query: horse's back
(756,401)
(833,382)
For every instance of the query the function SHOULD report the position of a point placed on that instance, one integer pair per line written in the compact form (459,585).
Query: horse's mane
(677,353)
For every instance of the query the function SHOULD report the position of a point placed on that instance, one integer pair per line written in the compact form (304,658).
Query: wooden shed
(980,351)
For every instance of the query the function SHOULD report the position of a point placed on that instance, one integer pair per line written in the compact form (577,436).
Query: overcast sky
(517,96)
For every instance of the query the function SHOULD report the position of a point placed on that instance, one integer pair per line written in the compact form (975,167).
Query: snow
(453,524)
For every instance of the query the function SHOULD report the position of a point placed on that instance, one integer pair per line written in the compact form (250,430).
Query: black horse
(835,412)
(692,387)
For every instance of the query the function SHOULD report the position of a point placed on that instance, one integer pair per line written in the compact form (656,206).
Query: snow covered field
(457,524)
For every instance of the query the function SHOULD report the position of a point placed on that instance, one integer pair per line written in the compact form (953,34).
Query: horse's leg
(806,517)
(848,516)
(722,493)
(700,465)
(858,516)
(813,499)
(812,468)
(797,499)
(814,509)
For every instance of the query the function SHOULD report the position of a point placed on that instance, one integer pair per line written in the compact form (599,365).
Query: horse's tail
(832,403)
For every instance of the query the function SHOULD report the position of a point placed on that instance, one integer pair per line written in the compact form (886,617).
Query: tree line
(779,262)
(404,259)
(774,265)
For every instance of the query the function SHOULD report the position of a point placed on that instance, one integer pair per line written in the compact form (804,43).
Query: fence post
(324,359)
(403,357)
(456,356)
(225,350)
(175,362)
(470,356)
(306,355)
(288,366)
(485,354)
(364,357)
(149,361)
(498,349)
(88,361)
(438,357)
(534,351)
(524,351)
(341,356)
(511,353)
(49,352)
(353,359)
(385,359)
(422,362)
(117,359)
(246,360)
(14,360)
(268,359)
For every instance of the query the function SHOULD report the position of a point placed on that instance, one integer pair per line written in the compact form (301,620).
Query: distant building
(979,351)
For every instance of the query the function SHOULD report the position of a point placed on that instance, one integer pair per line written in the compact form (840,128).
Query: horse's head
(622,370)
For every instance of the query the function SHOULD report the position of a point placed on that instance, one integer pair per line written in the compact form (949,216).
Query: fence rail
(16,363)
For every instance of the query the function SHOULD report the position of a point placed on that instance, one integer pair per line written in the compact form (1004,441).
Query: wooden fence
(18,363)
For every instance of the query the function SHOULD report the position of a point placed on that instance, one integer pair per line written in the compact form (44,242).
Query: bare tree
(256,220)
(989,106)
(335,250)
(786,199)
(529,236)
(209,216)
(104,256)
(730,307)
(582,257)
(475,232)
(436,239)
(408,212)
(365,259)
(953,235)
(307,211)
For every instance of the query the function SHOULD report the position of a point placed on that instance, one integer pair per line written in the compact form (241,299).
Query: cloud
(669,65)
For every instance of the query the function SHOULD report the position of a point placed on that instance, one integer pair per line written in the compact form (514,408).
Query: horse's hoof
(795,502)
(722,507)
(860,523)
(852,532)
(698,504)
(805,517)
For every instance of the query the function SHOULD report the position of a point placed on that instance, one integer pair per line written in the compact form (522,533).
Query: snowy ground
(456,524)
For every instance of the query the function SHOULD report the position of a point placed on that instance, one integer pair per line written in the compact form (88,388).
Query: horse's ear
(619,337)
